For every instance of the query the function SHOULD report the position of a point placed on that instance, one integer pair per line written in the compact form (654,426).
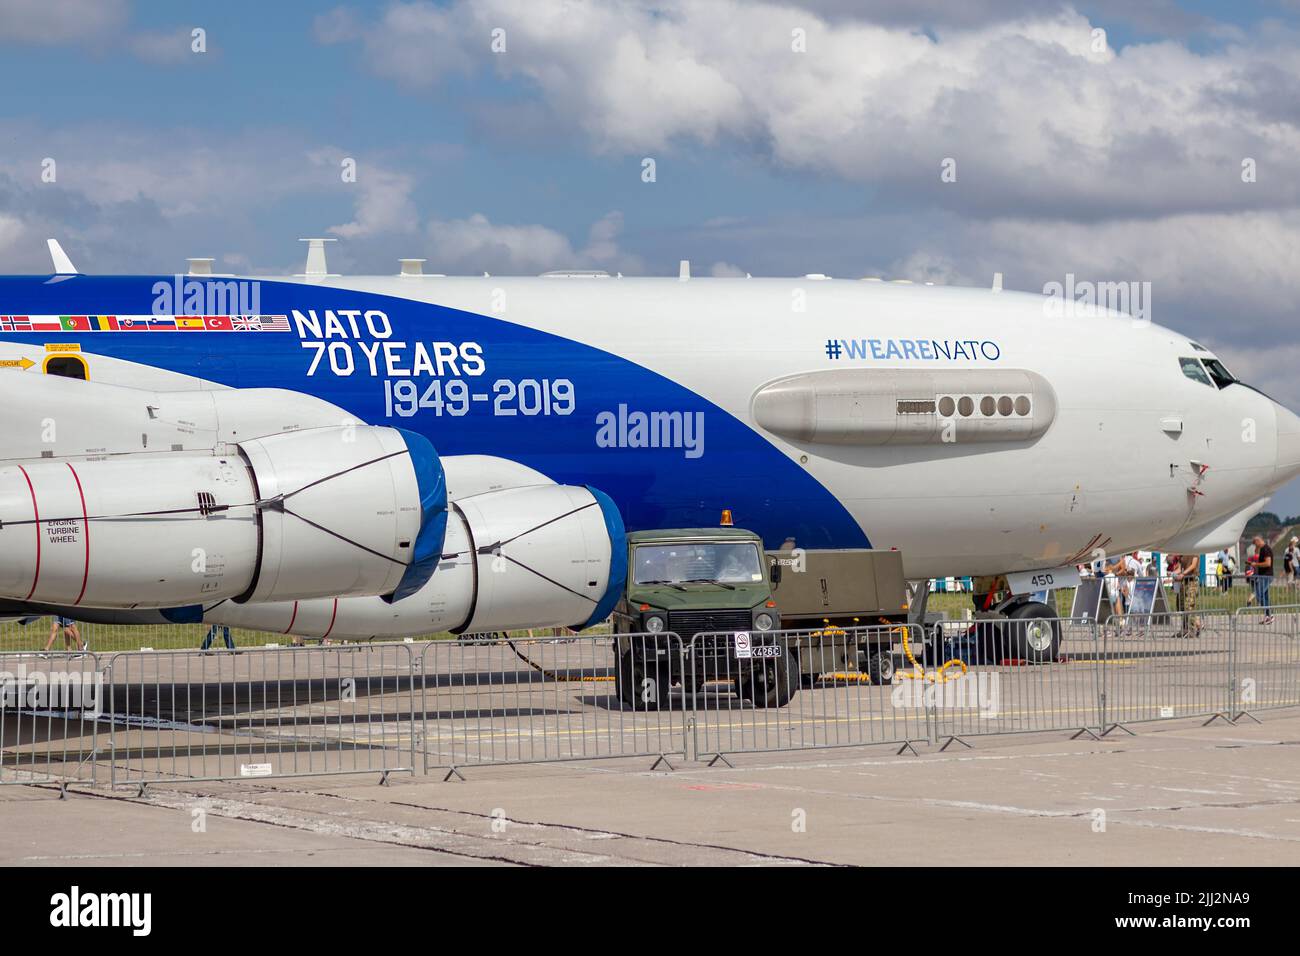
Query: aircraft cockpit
(1206,369)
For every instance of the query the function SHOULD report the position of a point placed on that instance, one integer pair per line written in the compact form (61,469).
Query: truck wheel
(880,667)
(771,683)
(641,687)
(1033,633)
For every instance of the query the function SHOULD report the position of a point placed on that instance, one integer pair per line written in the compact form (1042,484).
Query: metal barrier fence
(530,700)
(794,690)
(1005,693)
(1265,665)
(50,710)
(1165,667)
(292,711)
(138,718)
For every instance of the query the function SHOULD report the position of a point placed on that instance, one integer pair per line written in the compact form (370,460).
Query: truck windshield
(709,561)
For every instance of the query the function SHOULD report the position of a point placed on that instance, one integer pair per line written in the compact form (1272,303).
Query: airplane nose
(1288,442)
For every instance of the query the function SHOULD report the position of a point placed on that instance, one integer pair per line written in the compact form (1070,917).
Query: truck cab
(690,593)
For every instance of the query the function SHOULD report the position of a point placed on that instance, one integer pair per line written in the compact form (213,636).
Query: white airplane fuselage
(978,432)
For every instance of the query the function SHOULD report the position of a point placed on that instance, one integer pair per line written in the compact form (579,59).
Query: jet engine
(537,555)
(344,510)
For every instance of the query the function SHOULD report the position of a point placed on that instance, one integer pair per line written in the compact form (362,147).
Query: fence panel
(1005,679)
(530,700)
(291,711)
(1266,663)
(50,705)
(1166,666)
(793,690)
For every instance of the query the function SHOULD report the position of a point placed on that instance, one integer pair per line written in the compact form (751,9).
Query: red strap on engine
(37,514)
(85,530)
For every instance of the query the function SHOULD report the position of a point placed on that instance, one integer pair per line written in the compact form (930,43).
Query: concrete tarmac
(1176,794)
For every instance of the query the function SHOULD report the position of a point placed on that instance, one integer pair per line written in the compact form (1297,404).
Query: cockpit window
(1193,370)
(1222,377)
(1198,346)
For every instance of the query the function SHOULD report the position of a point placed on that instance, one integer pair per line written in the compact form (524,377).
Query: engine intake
(346,510)
(544,555)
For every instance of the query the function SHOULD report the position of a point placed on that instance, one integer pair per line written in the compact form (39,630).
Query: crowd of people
(1183,573)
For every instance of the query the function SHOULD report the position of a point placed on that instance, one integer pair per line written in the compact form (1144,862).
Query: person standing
(71,636)
(1261,562)
(1126,570)
(1291,560)
(1227,565)
(1186,573)
(212,636)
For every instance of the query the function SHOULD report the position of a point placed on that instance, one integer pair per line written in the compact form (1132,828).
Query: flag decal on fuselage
(144,323)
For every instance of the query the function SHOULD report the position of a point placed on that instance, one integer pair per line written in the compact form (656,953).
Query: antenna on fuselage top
(316,268)
(62,264)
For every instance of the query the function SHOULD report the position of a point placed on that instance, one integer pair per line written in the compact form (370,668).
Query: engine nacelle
(326,511)
(542,556)
(537,556)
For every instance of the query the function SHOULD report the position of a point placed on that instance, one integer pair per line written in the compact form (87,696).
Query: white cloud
(166,47)
(476,244)
(194,174)
(55,22)
(725,270)
(413,44)
(383,204)
(1032,113)
(122,209)
(1227,279)
(1235,265)
(98,25)
(12,231)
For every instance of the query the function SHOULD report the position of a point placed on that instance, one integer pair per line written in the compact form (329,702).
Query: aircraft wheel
(1032,633)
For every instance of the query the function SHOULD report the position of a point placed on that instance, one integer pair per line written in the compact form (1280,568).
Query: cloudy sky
(1104,139)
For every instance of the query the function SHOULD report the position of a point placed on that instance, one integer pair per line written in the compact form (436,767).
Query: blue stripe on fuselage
(653,487)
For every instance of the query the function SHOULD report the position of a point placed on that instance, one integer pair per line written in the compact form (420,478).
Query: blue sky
(1118,162)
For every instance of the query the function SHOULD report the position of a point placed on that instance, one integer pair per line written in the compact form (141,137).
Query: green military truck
(706,590)
(846,598)
(726,610)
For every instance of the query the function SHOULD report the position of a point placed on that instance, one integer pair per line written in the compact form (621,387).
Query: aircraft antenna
(316,267)
(62,264)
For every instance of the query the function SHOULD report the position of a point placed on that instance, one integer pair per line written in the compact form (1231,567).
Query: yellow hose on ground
(919,672)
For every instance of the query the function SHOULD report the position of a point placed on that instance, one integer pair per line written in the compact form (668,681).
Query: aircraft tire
(1032,633)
